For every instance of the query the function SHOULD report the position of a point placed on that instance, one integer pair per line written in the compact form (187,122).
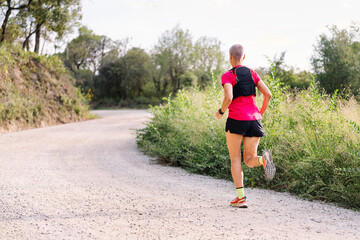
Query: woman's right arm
(267,96)
(228,96)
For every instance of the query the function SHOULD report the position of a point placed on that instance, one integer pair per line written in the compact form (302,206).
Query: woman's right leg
(234,145)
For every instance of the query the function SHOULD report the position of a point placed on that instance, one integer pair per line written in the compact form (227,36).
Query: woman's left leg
(251,158)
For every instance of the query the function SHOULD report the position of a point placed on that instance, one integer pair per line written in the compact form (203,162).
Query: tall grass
(314,138)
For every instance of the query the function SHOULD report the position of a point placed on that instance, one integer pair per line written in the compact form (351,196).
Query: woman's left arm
(228,96)
(267,96)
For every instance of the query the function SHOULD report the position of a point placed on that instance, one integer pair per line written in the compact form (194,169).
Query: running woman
(244,122)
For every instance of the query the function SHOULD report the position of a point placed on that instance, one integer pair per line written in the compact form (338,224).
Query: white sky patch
(146,3)
(347,3)
(222,2)
(264,27)
(275,41)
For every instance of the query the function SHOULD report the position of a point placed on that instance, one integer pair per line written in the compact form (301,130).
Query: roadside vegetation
(36,91)
(314,138)
(313,132)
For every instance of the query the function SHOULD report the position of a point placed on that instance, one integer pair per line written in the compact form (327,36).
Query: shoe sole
(239,206)
(270,168)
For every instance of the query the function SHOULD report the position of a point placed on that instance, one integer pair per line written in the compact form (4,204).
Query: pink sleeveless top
(242,108)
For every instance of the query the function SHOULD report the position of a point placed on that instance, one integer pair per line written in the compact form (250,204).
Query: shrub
(316,147)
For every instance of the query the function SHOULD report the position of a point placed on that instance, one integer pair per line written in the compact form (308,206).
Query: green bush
(314,140)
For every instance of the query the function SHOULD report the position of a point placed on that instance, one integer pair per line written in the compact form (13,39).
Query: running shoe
(240,203)
(270,166)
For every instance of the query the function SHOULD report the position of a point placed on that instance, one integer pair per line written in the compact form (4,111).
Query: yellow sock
(240,192)
(261,160)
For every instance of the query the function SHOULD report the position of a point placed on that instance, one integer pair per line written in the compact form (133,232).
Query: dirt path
(88,181)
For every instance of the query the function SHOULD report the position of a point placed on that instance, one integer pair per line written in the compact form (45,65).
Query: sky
(263,27)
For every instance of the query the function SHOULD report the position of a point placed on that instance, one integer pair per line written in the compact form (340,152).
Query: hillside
(36,91)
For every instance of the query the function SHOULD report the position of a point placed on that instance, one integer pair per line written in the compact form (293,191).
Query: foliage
(58,17)
(207,58)
(84,51)
(40,18)
(7,7)
(85,54)
(175,47)
(125,78)
(315,146)
(291,77)
(36,89)
(337,60)
(175,55)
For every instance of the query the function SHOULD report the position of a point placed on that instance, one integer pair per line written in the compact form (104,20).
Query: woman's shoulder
(228,77)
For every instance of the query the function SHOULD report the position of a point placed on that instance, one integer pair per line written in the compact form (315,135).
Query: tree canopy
(115,70)
(39,18)
(336,61)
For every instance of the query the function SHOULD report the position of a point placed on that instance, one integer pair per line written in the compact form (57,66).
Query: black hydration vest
(245,85)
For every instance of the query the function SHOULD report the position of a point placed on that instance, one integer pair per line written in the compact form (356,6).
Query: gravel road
(87,180)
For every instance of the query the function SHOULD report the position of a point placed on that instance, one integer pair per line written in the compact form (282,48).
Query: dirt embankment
(36,91)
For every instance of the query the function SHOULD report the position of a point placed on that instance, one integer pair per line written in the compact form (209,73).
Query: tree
(126,77)
(10,6)
(123,74)
(178,61)
(136,64)
(84,51)
(174,51)
(13,32)
(48,16)
(207,58)
(84,55)
(42,18)
(160,72)
(336,60)
(77,51)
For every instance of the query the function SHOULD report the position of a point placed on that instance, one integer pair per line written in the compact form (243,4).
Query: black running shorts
(246,128)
